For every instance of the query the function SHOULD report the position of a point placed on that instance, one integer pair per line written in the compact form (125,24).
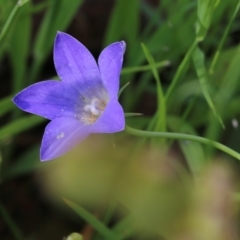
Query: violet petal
(110,65)
(74,64)
(61,135)
(112,119)
(49,99)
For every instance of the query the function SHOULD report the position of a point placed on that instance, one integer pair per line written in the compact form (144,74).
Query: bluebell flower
(85,101)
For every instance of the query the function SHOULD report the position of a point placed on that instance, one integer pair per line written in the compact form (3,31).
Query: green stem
(182,136)
(10,19)
(144,67)
(161,107)
(93,221)
(181,69)
(223,40)
(8,23)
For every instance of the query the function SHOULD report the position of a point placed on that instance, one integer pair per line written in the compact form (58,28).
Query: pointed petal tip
(123,45)
(14,99)
(44,158)
(17,101)
(57,35)
(61,33)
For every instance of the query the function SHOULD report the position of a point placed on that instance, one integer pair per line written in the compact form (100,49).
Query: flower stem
(10,19)
(181,70)
(182,136)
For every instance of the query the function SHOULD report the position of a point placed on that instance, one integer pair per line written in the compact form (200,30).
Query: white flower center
(93,107)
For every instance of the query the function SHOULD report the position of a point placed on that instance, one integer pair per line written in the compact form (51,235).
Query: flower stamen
(93,108)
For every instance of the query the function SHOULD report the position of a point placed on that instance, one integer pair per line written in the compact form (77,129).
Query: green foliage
(19,125)
(161,107)
(199,58)
(123,23)
(18,48)
(88,217)
(205,13)
(182,63)
(58,16)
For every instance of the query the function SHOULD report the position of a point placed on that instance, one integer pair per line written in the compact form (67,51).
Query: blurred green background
(183,65)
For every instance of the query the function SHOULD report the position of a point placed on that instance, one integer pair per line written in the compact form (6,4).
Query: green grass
(182,63)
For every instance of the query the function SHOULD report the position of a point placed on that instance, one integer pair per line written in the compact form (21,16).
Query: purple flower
(84,102)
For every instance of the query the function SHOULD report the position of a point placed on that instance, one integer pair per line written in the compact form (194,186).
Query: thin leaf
(132,114)
(230,84)
(205,13)
(92,220)
(128,70)
(11,19)
(19,46)
(122,89)
(223,39)
(198,58)
(123,23)
(182,68)
(161,107)
(19,126)
(57,18)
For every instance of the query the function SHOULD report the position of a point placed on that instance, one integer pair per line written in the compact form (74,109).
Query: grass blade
(92,220)
(198,58)
(124,23)
(19,47)
(128,70)
(19,126)
(57,18)
(223,39)
(205,13)
(122,89)
(11,19)
(161,107)
(182,68)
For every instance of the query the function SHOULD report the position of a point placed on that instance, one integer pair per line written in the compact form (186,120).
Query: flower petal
(61,135)
(112,119)
(110,65)
(50,99)
(75,64)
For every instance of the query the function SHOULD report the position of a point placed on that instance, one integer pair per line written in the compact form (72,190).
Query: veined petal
(112,119)
(74,64)
(61,135)
(110,65)
(50,99)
